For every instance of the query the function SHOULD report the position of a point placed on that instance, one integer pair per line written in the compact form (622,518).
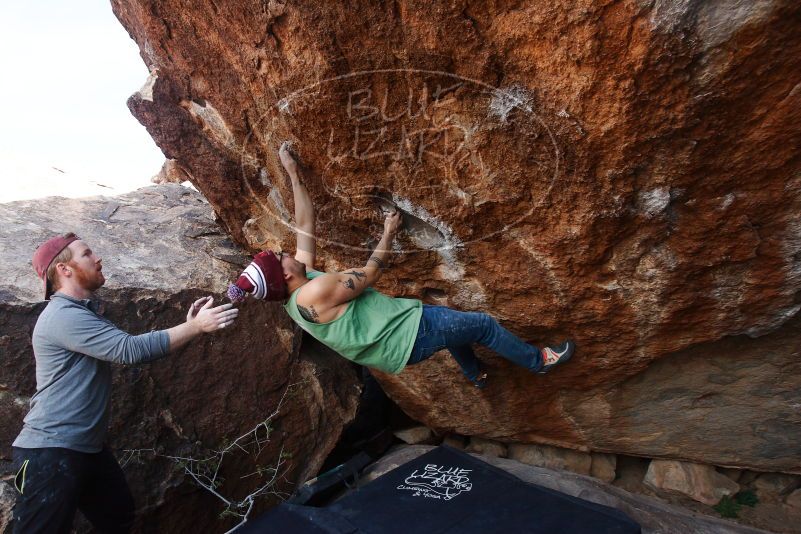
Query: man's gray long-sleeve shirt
(74,348)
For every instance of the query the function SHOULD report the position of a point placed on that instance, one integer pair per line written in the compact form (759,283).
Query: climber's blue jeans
(445,328)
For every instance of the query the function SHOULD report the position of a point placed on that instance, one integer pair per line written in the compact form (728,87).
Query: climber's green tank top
(375,330)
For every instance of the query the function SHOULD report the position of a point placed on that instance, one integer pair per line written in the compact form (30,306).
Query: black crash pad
(447,491)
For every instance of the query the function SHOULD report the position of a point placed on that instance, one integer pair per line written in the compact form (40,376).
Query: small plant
(727,507)
(747,498)
(205,469)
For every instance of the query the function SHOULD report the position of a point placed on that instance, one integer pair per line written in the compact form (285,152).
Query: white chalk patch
(146,92)
(212,121)
(450,272)
(448,240)
(726,201)
(775,322)
(719,20)
(278,201)
(150,56)
(668,15)
(504,101)
(610,286)
(714,22)
(654,202)
(469,295)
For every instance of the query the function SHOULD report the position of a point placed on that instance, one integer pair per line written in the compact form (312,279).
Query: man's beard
(91,280)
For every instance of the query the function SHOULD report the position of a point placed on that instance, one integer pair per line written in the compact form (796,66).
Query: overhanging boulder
(627,174)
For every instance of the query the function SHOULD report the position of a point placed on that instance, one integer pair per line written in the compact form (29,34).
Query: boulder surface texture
(161,251)
(623,173)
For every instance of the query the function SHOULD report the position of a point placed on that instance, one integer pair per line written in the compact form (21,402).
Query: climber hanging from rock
(344,312)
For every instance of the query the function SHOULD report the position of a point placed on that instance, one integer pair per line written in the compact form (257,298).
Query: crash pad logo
(438,482)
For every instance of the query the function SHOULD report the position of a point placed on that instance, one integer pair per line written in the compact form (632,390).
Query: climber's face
(291,266)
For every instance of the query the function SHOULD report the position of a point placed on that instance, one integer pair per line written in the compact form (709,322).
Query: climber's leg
(499,339)
(431,337)
(471,366)
(443,327)
(482,328)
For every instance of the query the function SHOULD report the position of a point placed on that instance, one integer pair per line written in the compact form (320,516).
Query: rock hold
(170,173)
(776,485)
(551,457)
(415,435)
(700,482)
(486,447)
(794,499)
(603,466)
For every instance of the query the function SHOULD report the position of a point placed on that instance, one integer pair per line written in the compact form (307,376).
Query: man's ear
(63,273)
(63,269)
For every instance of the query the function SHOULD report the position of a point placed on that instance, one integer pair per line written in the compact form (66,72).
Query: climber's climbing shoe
(553,356)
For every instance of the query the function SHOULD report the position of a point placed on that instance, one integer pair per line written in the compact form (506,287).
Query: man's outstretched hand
(203,318)
(196,307)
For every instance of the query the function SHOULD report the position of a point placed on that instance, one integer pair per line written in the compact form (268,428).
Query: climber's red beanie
(263,278)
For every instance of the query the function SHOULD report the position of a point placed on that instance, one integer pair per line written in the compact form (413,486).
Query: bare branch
(205,471)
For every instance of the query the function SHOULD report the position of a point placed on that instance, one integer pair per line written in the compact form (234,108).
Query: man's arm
(338,288)
(304,210)
(200,319)
(82,331)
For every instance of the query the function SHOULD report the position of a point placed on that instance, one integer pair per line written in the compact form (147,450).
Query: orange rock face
(625,173)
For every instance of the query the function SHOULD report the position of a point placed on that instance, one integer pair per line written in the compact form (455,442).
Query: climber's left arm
(304,221)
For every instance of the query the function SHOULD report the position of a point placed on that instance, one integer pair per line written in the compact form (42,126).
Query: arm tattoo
(358,274)
(377,261)
(349,284)
(310,314)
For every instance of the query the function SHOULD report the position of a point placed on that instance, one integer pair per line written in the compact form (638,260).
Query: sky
(66,70)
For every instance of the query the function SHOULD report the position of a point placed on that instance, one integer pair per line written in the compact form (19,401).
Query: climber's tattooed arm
(310,314)
(360,275)
(377,261)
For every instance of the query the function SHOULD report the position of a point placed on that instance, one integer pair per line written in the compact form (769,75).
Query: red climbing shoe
(553,356)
